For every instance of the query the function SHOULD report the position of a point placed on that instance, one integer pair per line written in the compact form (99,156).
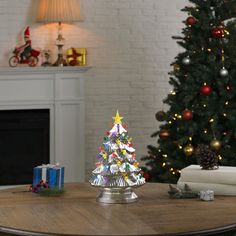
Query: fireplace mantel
(43,70)
(61,90)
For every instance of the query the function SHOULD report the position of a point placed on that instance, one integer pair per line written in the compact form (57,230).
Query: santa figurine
(26,48)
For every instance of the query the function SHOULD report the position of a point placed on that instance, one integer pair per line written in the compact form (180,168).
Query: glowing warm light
(58,11)
(211,120)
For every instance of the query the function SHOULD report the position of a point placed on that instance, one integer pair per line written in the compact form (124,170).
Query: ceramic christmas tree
(117,168)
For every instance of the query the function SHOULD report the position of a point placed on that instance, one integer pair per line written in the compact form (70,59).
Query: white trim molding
(61,90)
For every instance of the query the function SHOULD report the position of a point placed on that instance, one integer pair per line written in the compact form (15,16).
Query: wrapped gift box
(222,180)
(76,56)
(53,175)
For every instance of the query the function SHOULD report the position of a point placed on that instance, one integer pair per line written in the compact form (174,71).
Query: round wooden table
(78,213)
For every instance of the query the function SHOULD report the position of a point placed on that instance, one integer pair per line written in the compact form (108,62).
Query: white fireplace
(61,90)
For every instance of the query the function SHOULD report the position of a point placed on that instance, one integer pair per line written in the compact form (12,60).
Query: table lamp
(60,11)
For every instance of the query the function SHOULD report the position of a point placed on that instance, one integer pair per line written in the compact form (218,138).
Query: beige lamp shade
(58,11)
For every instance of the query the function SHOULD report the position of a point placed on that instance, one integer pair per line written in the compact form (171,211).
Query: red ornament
(187,114)
(147,176)
(191,20)
(217,32)
(206,90)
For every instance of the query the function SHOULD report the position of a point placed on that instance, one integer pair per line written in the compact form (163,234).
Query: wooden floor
(78,213)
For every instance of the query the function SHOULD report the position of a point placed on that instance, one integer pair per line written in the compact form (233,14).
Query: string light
(223,55)
(170,122)
(225,115)
(226,103)
(163,164)
(204,105)
(190,139)
(171,169)
(173,93)
(220,157)
(165,155)
(211,120)
(209,50)
(180,147)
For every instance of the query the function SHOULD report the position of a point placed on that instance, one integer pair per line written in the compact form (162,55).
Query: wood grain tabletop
(77,213)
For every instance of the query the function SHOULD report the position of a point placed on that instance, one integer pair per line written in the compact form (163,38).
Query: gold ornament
(215,145)
(188,150)
(164,134)
(161,116)
(176,68)
(118,163)
(136,164)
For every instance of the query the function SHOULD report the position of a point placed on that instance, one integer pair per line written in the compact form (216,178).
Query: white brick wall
(129,49)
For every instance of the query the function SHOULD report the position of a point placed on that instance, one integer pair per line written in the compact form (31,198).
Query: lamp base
(60,61)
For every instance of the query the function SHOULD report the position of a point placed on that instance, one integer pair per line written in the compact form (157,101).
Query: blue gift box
(52,174)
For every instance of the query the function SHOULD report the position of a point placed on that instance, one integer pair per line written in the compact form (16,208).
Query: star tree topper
(117,119)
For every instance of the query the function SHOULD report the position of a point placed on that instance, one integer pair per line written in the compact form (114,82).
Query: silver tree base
(117,195)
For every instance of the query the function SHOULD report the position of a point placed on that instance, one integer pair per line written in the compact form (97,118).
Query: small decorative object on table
(25,54)
(176,192)
(207,195)
(48,180)
(117,169)
(77,56)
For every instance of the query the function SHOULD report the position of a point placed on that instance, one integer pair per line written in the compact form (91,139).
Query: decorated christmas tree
(202,103)
(117,168)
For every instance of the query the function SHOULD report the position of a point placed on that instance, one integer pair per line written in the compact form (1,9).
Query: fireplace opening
(24,144)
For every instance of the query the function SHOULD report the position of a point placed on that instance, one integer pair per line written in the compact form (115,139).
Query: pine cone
(206,157)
